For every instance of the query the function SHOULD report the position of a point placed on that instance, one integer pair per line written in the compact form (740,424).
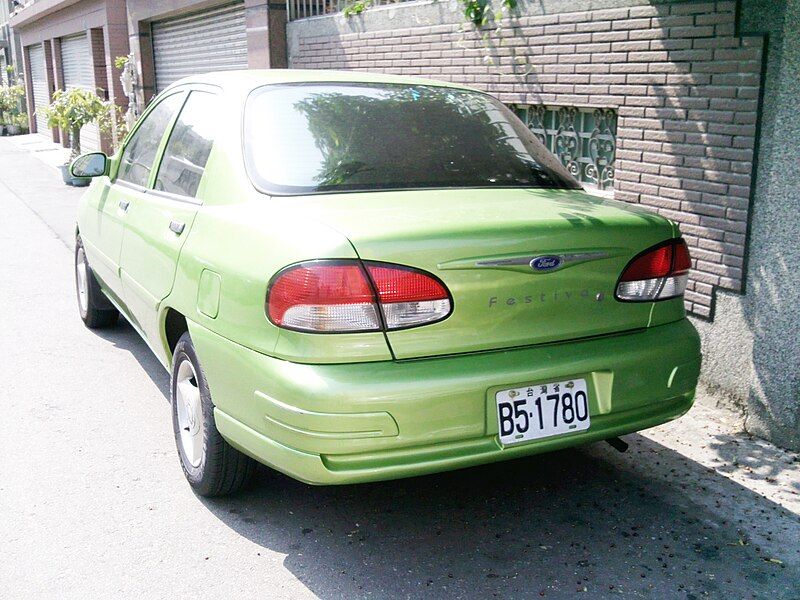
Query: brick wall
(685,85)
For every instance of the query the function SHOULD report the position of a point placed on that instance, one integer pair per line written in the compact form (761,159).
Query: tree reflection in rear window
(316,138)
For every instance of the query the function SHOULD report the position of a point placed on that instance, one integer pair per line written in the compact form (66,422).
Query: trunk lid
(480,243)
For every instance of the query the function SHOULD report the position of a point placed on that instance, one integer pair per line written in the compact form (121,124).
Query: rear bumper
(330,424)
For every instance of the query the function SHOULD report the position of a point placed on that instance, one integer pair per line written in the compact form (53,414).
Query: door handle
(176,227)
(123,205)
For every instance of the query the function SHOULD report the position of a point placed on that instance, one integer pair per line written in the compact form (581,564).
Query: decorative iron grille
(584,139)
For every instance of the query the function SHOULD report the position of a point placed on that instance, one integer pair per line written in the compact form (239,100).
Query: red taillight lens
(323,296)
(339,297)
(395,284)
(655,263)
(656,274)
(682,260)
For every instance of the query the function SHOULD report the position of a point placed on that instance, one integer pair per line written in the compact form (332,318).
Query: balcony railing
(300,9)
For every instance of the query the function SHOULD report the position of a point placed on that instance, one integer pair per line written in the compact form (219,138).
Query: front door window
(140,152)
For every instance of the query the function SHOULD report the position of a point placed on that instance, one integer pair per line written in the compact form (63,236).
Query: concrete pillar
(58,77)
(50,79)
(26,70)
(116,44)
(141,44)
(266,34)
(97,47)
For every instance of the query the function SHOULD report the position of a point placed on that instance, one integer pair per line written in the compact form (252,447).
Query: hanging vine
(479,11)
(482,16)
(485,16)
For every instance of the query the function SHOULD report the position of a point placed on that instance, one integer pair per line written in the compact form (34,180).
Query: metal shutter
(76,65)
(214,40)
(41,97)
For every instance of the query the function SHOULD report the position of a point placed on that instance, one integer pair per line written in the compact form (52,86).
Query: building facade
(71,44)
(176,38)
(9,44)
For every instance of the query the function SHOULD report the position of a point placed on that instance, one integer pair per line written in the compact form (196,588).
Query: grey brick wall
(685,85)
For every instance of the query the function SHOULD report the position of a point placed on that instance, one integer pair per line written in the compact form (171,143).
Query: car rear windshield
(316,138)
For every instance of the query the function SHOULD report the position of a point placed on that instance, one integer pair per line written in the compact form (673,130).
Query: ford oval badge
(546,263)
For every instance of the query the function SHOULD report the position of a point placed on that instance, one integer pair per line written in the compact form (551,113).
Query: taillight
(341,296)
(658,273)
(408,297)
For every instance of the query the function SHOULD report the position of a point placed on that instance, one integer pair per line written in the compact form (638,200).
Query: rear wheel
(211,465)
(95,309)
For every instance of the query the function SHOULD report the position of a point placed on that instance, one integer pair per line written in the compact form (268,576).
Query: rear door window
(189,146)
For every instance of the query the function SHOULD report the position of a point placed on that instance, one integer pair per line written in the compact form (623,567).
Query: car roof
(248,79)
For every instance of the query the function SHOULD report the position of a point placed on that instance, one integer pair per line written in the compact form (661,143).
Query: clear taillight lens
(656,274)
(329,296)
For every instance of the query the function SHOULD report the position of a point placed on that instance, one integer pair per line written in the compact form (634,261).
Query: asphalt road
(93,503)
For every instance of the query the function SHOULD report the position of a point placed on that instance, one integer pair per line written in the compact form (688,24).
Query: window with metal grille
(584,139)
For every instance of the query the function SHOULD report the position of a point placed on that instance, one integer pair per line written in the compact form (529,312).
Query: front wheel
(95,309)
(212,466)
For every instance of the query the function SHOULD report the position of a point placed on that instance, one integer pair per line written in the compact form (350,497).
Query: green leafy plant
(19,120)
(356,7)
(479,11)
(72,109)
(121,61)
(113,120)
(10,101)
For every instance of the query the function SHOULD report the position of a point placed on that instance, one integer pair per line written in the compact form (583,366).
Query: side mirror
(94,164)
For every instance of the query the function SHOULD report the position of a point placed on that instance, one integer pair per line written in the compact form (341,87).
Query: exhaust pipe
(618,444)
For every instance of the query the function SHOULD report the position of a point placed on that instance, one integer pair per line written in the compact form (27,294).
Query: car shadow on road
(124,337)
(648,522)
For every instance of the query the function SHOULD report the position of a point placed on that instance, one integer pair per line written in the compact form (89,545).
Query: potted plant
(17,124)
(72,109)
(10,97)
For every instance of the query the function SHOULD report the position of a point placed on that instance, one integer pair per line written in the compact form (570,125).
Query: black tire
(95,309)
(218,469)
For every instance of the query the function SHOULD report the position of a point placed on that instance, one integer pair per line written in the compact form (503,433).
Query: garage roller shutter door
(41,97)
(214,40)
(76,64)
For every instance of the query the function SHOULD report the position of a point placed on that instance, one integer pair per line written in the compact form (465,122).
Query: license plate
(542,410)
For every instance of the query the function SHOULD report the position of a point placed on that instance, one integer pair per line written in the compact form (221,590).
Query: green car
(356,277)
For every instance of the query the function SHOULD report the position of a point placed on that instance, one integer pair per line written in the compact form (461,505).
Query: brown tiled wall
(685,86)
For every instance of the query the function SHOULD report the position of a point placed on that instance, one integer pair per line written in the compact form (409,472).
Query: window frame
(162,148)
(159,149)
(184,90)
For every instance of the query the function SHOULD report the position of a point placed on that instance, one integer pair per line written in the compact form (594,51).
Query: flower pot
(73,181)
(12,129)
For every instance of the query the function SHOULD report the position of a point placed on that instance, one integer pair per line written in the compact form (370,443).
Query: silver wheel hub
(190,412)
(82,279)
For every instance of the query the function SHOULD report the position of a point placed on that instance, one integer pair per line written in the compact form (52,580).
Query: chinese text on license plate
(542,410)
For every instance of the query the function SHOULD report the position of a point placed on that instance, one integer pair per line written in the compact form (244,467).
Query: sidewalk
(41,147)
(29,170)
